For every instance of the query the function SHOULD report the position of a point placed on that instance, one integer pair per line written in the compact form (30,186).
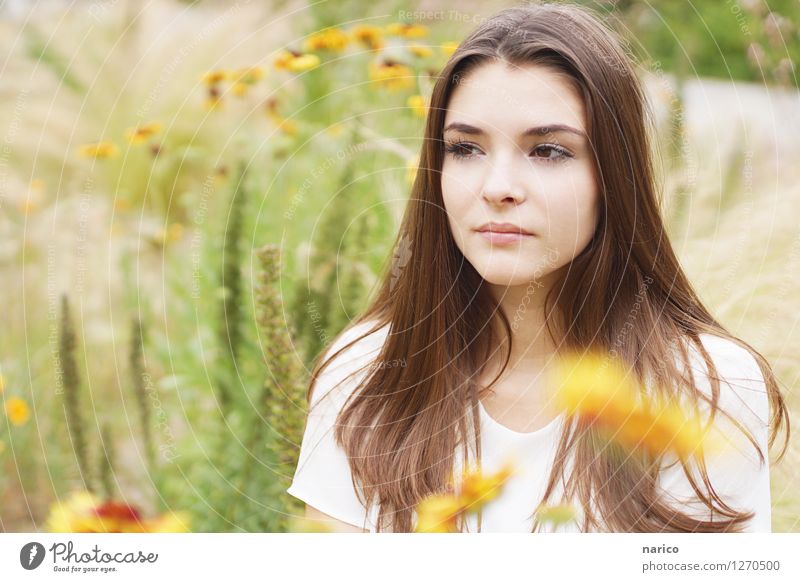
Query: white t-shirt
(323,478)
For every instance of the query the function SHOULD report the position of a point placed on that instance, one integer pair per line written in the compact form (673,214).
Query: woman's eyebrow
(539,130)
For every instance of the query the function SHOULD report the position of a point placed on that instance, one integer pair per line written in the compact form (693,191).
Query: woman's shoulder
(742,389)
(347,358)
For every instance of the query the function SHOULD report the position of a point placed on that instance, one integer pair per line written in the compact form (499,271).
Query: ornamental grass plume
(67,371)
(230,324)
(283,397)
(83,512)
(139,380)
(284,390)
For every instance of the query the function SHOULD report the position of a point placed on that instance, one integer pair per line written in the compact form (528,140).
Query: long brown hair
(403,424)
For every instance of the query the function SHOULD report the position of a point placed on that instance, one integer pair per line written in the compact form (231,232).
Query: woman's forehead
(500,98)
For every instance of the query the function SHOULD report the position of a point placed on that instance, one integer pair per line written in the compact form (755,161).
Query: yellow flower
(295,62)
(368,35)
(391,75)
(448,48)
(287,126)
(438,514)
(99,151)
(142,133)
(212,78)
(17,411)
(600,389)
(478,489)
(2,384)
(406,30)
(418,105)
(248,75)
(329,39)
(420,51)
(82,512)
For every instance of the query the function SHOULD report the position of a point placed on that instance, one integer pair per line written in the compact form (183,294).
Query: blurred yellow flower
(2,383)
(142,133)
(407,30)
(368,35)
(438,514)
(212,78)
(420,51)
(295,62)
(83,512)
(329,39)
(448,48)
(600,389)
(243,79)
(418,105)
(478,488)
(391,75)
(17,411)
(99,151)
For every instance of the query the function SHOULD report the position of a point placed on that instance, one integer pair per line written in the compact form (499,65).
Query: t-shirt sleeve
(322,478)
(735,471)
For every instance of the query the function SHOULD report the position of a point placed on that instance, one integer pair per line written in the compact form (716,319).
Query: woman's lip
(503,238)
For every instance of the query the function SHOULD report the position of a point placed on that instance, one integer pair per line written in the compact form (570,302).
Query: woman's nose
(501,183)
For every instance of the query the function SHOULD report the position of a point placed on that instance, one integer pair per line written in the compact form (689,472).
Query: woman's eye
(550,153)
(460,149)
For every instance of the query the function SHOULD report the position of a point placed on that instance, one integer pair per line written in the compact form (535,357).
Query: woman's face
(516,153)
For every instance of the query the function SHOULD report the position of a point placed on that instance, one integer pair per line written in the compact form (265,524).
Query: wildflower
(328,39)
(83,512)
(407,30)
(448,48)
(243,79)
(599,389)
(17,411)
(213,78)
(2,384)
(142,133)
(477,488)
(100,150)
(213,99)
(391,75)
(438,514)
(368,35)
(417,105)
(295,62)
(420,51)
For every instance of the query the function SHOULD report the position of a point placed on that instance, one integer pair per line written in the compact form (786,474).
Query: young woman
(533,228)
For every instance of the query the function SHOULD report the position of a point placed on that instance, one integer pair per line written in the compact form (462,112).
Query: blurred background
(196,197)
